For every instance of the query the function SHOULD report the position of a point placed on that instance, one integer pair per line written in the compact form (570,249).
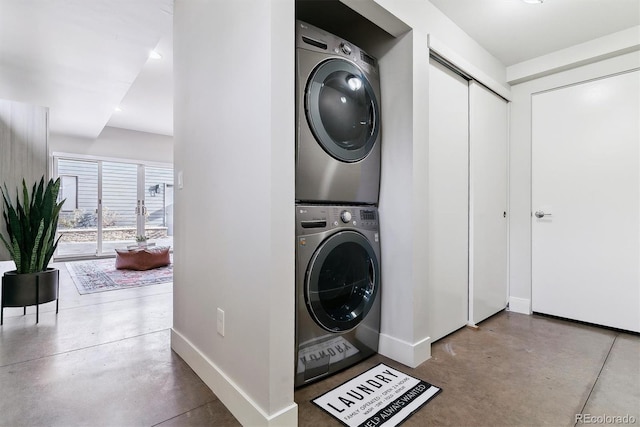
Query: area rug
(101,275)
(381,396)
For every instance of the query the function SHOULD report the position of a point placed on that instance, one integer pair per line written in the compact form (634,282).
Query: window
(69,191)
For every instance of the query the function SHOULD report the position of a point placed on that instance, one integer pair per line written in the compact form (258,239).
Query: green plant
(31,225)
(141,238)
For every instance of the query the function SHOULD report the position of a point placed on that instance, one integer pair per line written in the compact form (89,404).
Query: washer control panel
(368,217)
(352,216)
(313,219)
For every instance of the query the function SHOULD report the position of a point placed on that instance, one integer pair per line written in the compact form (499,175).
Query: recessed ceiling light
(155,55)
(117,109)
(533,1)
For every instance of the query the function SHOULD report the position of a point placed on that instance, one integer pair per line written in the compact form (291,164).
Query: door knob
(540,214)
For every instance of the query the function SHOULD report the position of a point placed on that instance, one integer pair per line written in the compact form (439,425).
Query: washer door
(342,281)
(342,110)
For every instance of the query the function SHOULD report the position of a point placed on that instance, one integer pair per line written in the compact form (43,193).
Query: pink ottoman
(142,259)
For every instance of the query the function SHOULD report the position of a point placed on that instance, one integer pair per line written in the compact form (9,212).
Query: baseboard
(520,305)
(241,406)
(406,353)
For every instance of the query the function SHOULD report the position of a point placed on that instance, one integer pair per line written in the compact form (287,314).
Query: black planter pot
(23,290)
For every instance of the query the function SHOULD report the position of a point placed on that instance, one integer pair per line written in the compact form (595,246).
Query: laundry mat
(381,396)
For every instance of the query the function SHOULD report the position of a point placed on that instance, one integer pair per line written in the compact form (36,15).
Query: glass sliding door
(109,203)
(78,221)
(119,205)
(158,205)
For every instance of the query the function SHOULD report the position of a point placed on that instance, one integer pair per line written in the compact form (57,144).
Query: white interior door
(585,180)
(488,133)
(448,201)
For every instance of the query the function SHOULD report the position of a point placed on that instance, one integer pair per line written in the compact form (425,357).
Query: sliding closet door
(448,201)
(488,133)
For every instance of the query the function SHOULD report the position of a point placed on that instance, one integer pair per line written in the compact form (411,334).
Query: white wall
(520,164)
(117,143)
(404,324)
(234,234)
(23,150)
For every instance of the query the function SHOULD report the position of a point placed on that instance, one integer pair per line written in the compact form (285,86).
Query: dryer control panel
(313,38)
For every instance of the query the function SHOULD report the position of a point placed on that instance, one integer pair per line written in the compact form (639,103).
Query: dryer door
(342,281)
(342,110)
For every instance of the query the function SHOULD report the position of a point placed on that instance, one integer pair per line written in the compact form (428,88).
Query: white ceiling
(82,58)
(78,57)
(148,105)
(514,31)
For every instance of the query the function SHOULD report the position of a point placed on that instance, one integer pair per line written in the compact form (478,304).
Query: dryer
(337,288)
(337,120)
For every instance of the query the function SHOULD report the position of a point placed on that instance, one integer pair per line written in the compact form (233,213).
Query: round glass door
(342,281)
(342,110)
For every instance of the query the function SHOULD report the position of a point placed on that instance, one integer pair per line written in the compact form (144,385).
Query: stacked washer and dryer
(337,187)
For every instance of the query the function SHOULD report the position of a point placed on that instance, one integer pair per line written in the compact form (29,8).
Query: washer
(337,288)
(337,119)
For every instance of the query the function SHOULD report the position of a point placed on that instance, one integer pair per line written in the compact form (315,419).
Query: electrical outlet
(220,321)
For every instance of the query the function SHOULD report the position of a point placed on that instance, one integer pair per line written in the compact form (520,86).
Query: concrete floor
(105,359)
(515,370)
